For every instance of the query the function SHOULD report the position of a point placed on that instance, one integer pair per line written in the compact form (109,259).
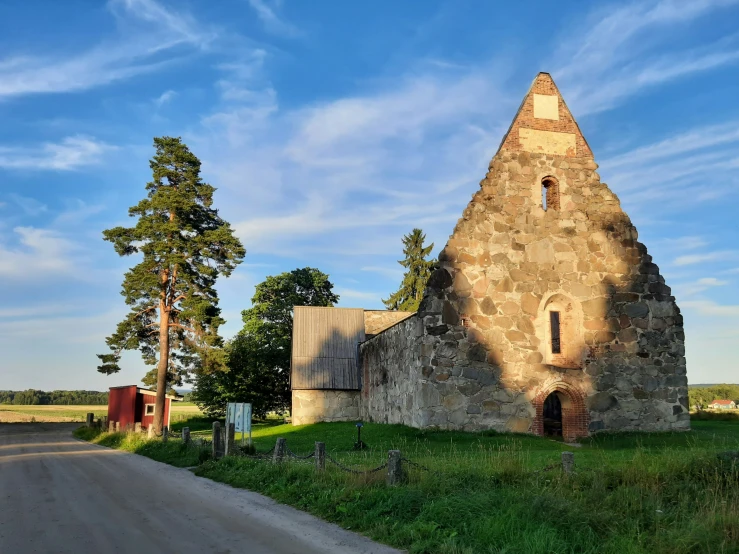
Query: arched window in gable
(550,193)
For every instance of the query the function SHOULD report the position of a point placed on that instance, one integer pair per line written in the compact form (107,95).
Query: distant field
(57,414)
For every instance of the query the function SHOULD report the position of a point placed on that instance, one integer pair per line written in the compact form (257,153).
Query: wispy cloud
(389,272)
(69,154)
(691,259)
(151,30)
(672,171)
(266,11)
(621,47)
(687,290)
(77,211)
(708,307)
(40,254)
(355,170)
(352,294)
(29,206)
(163,98)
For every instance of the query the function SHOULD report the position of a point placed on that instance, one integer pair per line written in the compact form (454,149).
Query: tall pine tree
(408,297)
(185,246)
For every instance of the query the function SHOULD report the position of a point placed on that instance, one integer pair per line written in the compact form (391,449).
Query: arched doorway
(552,415)
(560,411)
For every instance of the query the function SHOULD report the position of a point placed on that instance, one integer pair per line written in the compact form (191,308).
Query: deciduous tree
(184,246)
(258,358)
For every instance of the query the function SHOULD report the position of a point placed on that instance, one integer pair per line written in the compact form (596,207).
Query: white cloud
(40,254)
(691,259)
(267,13)
(389,272)
(30,206)
(711,282)
(618,48)
(673,171)
(708,307)
(165,97)
(150,29)
(686,290)
(69,154)
(77,211)
(353,294)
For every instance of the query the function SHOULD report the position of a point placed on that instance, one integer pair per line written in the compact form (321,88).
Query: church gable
(544,124)
(544,288)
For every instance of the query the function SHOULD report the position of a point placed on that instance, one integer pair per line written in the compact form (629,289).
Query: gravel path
(58,494)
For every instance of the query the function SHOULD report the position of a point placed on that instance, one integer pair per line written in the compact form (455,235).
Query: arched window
(550,193)
(559,328)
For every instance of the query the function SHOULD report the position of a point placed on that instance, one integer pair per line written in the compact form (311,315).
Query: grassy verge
(632,493)
(173,452)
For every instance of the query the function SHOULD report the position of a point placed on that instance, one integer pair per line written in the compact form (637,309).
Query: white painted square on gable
(546,106)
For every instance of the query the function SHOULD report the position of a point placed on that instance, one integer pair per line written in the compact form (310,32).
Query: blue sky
(333,128)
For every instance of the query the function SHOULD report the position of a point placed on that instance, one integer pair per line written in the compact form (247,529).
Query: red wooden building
(132,404)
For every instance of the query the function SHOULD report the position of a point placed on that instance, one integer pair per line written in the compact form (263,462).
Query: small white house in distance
(722,405)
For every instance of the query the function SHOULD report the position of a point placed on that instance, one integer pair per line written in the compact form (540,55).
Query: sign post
(239,413)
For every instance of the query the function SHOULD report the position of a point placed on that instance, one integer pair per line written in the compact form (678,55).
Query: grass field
(632,493)
(52,414)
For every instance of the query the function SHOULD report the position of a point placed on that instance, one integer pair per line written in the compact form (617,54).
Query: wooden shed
(133,404)
(325,348)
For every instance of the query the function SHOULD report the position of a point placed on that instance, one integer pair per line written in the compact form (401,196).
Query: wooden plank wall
(325,347)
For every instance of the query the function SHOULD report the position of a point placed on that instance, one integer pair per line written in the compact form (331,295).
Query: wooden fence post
(137,427)
(394,468)
(165,433)
(186,436)
(279,451)
(216,439)
(230,439)
(568,462)
(117,426)
(320,456)
(89,421)
(150,432)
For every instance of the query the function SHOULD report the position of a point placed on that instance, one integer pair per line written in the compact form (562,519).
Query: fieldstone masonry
(543,288)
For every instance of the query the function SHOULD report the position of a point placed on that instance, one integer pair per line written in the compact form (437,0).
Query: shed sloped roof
(324,349)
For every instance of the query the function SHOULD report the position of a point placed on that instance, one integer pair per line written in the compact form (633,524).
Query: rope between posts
(355,471)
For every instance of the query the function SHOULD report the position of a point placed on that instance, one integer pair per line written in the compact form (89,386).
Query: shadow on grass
(486,494)
(173,452)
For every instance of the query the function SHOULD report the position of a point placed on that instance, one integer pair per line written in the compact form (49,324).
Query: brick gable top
(544,124)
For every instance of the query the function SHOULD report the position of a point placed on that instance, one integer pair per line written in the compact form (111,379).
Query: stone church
(545,314)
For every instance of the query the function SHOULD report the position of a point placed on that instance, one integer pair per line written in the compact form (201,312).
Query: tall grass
(673,493)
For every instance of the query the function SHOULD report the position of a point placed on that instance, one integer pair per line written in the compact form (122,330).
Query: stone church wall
(312,406)
(391,375)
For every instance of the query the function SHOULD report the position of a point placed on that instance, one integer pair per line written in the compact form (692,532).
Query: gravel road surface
(58,494)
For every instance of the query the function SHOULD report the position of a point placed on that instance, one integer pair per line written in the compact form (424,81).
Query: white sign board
(239,413)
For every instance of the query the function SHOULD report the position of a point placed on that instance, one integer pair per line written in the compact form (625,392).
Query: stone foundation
(312,406)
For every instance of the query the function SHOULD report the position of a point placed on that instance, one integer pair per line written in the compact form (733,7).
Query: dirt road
(58,494)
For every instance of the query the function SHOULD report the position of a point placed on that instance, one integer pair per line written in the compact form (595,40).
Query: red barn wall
(141,401)
(122,405)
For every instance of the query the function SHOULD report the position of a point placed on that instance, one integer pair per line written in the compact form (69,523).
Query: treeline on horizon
(33,397)
(702,395)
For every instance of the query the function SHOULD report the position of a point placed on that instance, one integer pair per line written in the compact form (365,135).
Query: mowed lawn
(58,414)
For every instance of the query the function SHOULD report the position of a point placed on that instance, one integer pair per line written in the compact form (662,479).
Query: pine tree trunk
(162,369)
